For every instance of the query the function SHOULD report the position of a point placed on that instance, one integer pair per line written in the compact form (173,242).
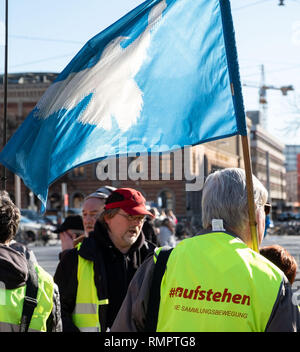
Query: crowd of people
(121,268)
(159,228)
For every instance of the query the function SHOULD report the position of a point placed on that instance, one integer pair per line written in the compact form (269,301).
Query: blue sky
(45,35)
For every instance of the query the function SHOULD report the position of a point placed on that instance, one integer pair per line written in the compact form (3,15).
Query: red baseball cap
(129,200)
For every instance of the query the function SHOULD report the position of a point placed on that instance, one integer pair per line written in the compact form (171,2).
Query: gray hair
(225,197)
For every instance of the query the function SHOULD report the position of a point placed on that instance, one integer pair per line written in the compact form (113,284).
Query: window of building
(166,200)
(215,168)
(77,200)
(136,163)
(166,165)
(78,173)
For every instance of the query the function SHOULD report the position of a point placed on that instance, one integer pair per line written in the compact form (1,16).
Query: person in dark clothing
(71,232)
(17,265)
(110,255)
(149,230)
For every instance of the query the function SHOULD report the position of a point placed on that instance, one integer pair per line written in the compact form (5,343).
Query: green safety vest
(214,282)
(11,305)
(86,312)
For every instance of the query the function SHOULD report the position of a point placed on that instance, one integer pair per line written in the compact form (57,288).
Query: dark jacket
(14,273)
(149,231)
(20,247)
(113,273)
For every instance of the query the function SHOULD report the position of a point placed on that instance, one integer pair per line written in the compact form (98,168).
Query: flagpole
(3,178)
(250,194)
(236,88)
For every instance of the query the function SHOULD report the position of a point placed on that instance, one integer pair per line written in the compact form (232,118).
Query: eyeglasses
(138,218)
(267,208)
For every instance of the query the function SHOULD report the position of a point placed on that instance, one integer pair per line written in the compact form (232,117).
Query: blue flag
(164,74)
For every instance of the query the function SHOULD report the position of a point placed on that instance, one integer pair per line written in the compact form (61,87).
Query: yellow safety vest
(214,282)
(86,312)
(11,305)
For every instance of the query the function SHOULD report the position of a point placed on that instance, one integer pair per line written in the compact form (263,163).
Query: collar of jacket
(209,230)
(99,238)
(13,268)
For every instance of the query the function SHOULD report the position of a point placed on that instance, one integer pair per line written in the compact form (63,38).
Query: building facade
(268,163)
(291,151)
(292,155)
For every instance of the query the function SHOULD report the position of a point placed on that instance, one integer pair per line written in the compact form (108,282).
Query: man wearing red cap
(93,278)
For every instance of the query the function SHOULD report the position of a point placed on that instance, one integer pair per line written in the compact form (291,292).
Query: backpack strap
(30,301)
(154,298)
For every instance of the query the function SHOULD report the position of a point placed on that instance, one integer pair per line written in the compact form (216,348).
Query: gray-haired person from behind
(214,281)
(232,209)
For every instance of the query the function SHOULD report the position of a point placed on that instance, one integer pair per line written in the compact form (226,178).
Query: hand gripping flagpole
(240,111)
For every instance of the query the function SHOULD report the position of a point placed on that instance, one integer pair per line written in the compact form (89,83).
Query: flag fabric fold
(163,75)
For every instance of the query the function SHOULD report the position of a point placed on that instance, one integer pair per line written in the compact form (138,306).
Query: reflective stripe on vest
(11,305)
(214,282)
(86,312)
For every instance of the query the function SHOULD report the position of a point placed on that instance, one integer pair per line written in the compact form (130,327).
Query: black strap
(154,298)
(30,301)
